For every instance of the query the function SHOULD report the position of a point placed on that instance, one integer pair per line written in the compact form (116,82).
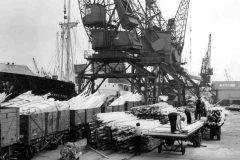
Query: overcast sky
(28,30)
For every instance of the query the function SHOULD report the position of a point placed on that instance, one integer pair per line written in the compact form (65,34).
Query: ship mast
(66,28)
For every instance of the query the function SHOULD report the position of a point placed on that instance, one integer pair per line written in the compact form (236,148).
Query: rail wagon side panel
(77,117)
(9,121)
(32,127)
(51,122)
(89,115)
(63,120)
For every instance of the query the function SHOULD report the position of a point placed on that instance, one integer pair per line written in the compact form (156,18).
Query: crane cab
(95,15)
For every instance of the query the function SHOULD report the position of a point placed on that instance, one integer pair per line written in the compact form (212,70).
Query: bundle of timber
(2,97)
(191,100)
(206,102)
(157,111)
(25,98)
(129,97)
(70,151)
(116,131)
(84,101)
(216,117)
(28,107)
(186,128)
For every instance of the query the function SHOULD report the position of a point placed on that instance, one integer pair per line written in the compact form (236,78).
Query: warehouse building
(228,90)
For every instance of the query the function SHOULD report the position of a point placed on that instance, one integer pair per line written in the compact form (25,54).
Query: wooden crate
(32,127)
(9,123)
(64,120)
(77,117)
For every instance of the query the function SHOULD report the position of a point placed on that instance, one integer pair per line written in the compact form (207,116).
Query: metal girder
(138,76)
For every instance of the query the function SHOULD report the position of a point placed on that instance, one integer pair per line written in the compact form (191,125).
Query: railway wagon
(41,130)
(78,121)
(9,125)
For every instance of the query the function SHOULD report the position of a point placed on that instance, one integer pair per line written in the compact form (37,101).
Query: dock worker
(137,139)
(189,111)
(175,121)
(8,88)
(198,109)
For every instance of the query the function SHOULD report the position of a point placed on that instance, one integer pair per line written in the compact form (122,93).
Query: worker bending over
(175,121)
(137,139)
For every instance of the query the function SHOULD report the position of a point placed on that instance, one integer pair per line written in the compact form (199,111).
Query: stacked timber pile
(217,116)
(207,104)
(157,111)
(116,131)
(70,151)
(84,101)
(119,103)
(32,104)
(186,128)
(191,100)
(2,97)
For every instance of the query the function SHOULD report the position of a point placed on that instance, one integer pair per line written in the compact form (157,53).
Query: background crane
(206,70)
(36,68)
(229,78)
(206,73)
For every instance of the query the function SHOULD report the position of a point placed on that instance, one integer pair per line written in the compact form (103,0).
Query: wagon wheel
(63,140)
(27,155)
(30,151)
(199,139)
(54,145)
(183,149)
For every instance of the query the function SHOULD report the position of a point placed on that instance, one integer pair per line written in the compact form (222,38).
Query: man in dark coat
(198,109)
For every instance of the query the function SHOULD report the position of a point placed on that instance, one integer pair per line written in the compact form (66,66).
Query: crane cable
(190,37)
(190,47)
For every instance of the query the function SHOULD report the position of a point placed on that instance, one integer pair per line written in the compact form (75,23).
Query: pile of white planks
(121,127)
(130,97)
(83,101)
(2,97)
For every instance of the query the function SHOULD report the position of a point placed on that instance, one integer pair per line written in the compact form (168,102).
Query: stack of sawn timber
(2,97)
(116,131)
(217,116)
(125,102)
(39,116)
(83,107)
(157,111)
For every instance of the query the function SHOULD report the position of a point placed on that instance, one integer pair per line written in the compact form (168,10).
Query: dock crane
(207,72)
(155,26)
(121,32)
(36,68)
